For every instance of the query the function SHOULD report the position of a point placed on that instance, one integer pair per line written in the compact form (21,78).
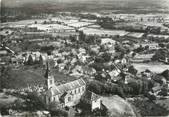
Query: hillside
(118,107)
(132,6)
(20,78)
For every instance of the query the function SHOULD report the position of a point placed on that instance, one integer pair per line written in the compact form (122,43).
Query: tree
(132,70)
(34,102)
(96,86)
(45,22)
(139,49)
(97,66)
(119,48)
(99,77)
(17,105)
(59,113)
(106,56)
(106,89)
(53,106)
(160,55)
(30,60)
(164,90)
(161,45)
(165,74)
(149,108)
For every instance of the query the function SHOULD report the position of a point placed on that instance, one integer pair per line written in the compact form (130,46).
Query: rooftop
(68,86)
(136,35)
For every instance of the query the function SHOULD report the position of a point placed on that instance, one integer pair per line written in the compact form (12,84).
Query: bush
(34,102)
(149,108)
(132,70)
(59,113)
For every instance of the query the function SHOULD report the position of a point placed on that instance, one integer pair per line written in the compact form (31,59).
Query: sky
(139,3)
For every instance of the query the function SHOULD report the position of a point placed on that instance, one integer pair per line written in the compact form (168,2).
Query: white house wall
(96,104)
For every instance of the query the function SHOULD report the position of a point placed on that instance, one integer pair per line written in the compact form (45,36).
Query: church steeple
(49,78)
(47,71)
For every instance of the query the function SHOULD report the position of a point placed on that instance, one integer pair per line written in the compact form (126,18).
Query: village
(53,66)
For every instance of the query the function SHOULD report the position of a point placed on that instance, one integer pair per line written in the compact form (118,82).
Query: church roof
(68,86)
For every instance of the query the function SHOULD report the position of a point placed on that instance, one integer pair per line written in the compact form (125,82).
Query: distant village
(69,64)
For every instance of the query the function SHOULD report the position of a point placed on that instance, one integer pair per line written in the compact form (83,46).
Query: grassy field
(154,67)
(30,75)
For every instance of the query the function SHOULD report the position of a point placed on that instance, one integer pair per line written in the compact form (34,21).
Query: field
(154,67)
(80,24)
(23,22)
(92,31)
(31,75)
(51,27)
(16,79)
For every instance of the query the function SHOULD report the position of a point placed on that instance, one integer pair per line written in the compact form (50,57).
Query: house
(139,58)
(115,72)
(135,35)
(88,70)
(6,32)
(30,114)
(77,71)
(43,58)
(151,46)
(156,89)
(124,61)
(95,48)
(82,51)
(147,73)
(68,94)
(108,42)
(92,99)
(14,60)
(61,66)
(3,52)
(166,60)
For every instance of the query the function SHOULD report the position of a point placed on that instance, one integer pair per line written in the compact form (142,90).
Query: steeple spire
(49,77)
(47,73)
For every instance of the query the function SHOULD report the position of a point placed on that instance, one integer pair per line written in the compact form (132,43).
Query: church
(68,94)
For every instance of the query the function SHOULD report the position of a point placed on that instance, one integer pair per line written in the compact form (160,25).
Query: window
(69,99)
(50,81)
(75,91)
(79,90)
(82,88)
(49,99)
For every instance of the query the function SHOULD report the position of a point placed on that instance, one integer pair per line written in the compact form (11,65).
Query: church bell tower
(49,77)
